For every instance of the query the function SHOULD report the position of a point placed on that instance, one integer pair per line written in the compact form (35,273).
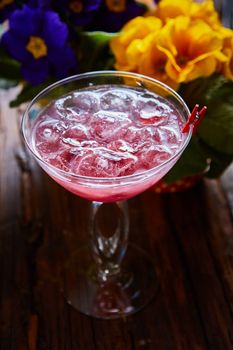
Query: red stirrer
(195,118)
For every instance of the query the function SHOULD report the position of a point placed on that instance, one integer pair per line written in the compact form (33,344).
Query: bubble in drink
(108,131)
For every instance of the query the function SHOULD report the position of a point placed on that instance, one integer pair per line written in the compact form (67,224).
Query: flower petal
(206,11)
(35,71)
(137,28)
(192,47)
(133,53)
(15,45)
(203,68)
(170,9)
(228,65)
(55,32)
(25,21)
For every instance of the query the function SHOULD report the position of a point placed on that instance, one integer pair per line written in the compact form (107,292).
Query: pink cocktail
(108,136)
(109,132)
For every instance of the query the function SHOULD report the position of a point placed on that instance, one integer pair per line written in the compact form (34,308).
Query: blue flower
(80,12)
(38,39)
(7,7)
(113,14)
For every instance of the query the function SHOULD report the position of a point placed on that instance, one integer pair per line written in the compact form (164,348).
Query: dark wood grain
(189,235)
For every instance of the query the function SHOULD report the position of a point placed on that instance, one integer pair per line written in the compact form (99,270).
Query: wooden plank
(14,275)
(227,184)
(9,171)
(14,289)
(220,237)
(178,317)
(199,229)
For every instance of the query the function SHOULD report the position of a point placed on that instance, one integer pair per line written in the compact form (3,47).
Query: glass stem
(109,231)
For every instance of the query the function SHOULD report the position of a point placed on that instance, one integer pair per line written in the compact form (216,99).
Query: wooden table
(189,235)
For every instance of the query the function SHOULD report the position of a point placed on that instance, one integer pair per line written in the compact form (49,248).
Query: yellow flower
(228,65)
(135,49)
(172,8)
(193,49)
(128,45)
(132,56)
(175,48)
(152,62)
(206,11)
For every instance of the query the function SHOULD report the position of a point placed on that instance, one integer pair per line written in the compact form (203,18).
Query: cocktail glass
(111,278)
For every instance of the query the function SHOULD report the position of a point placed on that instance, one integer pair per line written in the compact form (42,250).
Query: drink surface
(108,131)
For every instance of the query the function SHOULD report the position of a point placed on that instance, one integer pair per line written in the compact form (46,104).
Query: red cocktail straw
(195,118)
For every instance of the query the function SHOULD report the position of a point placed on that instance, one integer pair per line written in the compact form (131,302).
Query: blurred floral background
(182,43)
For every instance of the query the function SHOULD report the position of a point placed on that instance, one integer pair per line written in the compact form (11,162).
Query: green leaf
(28,92)
(192,161)
(216,129)
(218,161)
(93,50)
(100,38)
(214,138)
(9,68)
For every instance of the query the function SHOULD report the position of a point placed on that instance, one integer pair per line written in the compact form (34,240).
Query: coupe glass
(111,278)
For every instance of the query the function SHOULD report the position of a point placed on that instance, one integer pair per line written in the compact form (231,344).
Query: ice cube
(86,165)
(121,146)
(117,101)
(49,150)
(171,133)
(137,135)
(109,125)
(106,163)
(154,155)
(47,137)
(75,134)
(49,130)
(63,160)
(78,106)
(152,110)
(85,101)
(116,163)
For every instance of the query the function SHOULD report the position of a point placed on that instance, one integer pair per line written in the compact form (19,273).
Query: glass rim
(112,73)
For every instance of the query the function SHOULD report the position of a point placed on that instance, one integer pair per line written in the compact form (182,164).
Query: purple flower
(7,7)
(38,39)
(80,12)
(113,14)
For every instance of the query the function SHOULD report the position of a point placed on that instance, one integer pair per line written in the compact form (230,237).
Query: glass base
(120,295)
